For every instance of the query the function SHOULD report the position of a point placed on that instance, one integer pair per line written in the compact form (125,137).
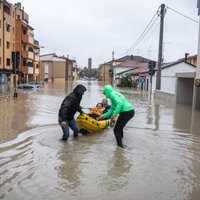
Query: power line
(141,39)
(182,14)
(150,25)
(146,30)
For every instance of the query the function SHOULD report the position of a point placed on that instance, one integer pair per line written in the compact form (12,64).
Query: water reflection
(69,171)
(4,88)
(118,168)
(182,118)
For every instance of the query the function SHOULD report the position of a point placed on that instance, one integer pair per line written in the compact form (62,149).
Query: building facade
(177,80)
(53,67)
(16,35)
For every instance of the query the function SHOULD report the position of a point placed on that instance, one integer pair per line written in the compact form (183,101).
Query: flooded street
(161,160)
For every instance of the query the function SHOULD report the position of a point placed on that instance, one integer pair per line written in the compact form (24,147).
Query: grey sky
(95,28)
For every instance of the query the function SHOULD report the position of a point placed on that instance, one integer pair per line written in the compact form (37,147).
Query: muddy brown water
(161,160)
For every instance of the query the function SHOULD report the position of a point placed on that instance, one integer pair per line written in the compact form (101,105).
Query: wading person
(121,107)
(69,106)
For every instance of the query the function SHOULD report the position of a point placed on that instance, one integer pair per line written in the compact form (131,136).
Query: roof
(136,68)
(5,3)
(132,63)
(53,56)
(131,57)
(138,59)
(166,65)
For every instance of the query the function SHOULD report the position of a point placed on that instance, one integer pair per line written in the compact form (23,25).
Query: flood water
(161,160)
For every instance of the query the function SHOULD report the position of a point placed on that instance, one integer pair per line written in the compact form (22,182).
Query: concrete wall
(184,91)
(196,102)
(164,96)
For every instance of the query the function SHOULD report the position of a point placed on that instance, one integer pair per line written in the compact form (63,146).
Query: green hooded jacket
(118,102)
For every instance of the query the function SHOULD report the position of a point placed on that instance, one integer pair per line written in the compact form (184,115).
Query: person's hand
(98,118)
(112,119)
(64,124)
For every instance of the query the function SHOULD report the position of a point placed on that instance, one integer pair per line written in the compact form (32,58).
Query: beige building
(105,71)
(16,35)
(53,67)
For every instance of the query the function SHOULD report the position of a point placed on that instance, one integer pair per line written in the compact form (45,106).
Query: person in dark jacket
(69,106)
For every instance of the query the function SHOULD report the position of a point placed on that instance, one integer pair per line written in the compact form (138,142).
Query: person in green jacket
(119,107)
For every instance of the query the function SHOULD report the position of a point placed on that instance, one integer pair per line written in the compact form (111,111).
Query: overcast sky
(94,28)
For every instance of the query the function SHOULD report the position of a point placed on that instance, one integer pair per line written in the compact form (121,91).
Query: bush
(125,81)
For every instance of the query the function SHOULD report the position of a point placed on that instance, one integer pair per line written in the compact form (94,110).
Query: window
(8,27)
(24,62)
(25,31)
(8,62)
(8,45)
(24,48)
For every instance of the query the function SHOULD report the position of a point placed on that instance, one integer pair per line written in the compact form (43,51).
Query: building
(16,35)
(105,72)
(196,102)
(111,71)
(177,82)
(53,67)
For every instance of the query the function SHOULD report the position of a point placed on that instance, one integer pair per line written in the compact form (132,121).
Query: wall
(184,91)
(168,76)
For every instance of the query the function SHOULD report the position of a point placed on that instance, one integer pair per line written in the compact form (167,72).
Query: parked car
(28,86)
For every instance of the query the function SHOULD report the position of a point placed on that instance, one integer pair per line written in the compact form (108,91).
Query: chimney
(186,56)
(19,5)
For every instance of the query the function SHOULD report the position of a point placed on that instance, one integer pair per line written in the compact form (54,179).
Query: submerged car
(28,86)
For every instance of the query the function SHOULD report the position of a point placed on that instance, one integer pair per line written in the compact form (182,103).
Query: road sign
(142,74)
(142,79)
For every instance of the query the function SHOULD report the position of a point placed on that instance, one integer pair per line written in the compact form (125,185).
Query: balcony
(27,54)
(27,39)
(37,58)
(30,70)
(36,71)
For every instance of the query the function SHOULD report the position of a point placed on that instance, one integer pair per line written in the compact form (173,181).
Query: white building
(177,80)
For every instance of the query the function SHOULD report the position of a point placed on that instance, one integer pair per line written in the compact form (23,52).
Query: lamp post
(40,47)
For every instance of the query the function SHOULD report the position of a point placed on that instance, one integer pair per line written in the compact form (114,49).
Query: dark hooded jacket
(71,103)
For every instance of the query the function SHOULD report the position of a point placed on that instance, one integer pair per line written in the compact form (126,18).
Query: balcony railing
(36,71)
(30,70)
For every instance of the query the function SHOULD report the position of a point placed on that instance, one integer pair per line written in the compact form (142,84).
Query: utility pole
(113,69)
(160,50)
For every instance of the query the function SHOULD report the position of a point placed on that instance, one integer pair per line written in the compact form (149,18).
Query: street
(161,159)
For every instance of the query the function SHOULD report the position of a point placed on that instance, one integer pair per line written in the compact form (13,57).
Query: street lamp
(40,47)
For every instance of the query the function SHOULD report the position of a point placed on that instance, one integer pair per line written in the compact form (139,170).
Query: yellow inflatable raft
(88,124)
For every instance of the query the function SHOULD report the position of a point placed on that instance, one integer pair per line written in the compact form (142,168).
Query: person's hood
(79,90)
(107,90)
